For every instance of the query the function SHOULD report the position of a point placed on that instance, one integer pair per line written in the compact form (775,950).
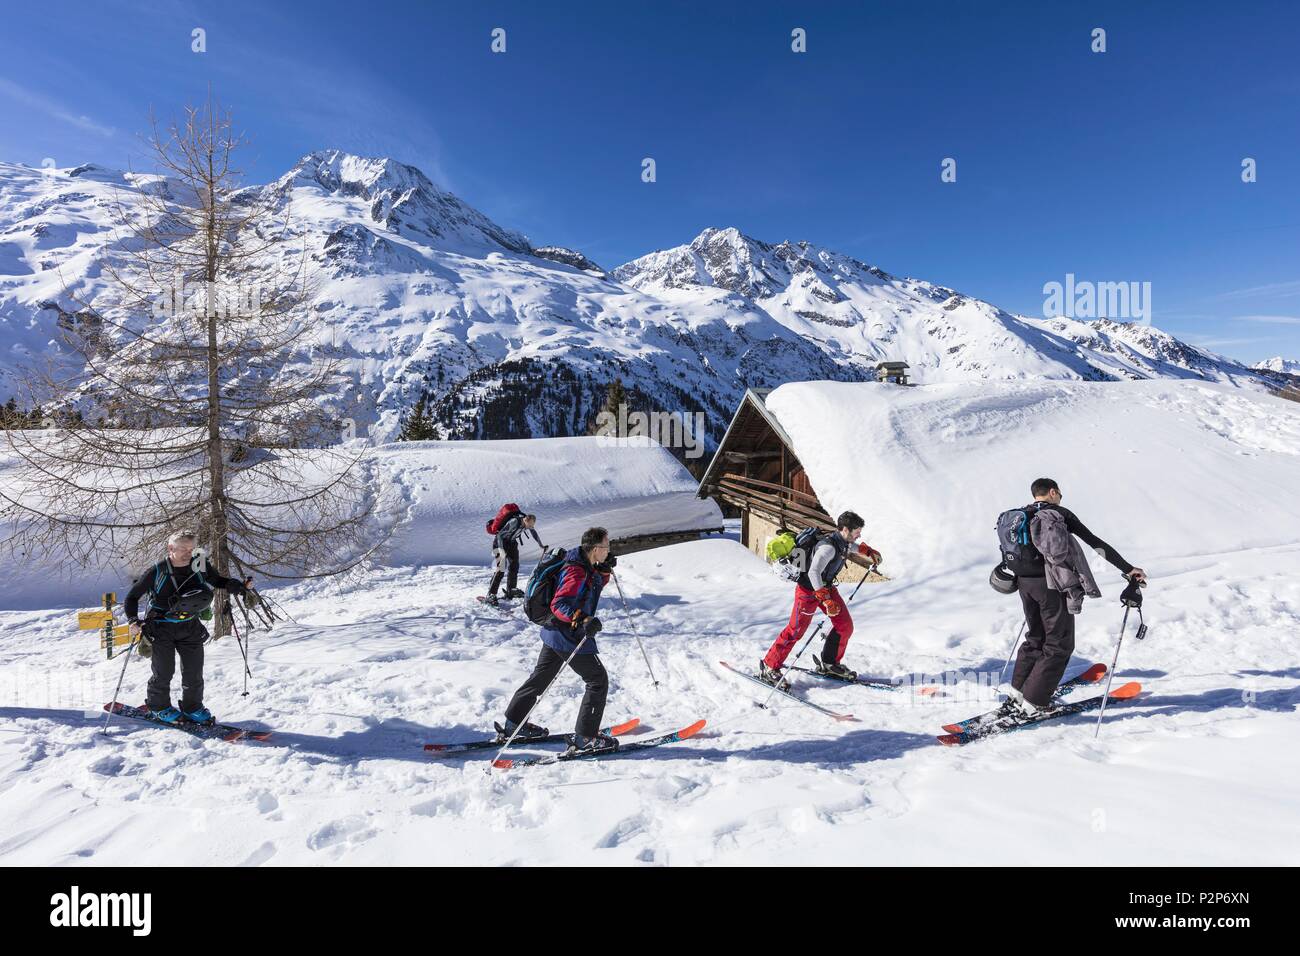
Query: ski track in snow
(372,672)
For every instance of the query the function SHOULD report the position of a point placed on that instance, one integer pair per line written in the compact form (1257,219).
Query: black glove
(608,565)
(1132,596)
(591,626)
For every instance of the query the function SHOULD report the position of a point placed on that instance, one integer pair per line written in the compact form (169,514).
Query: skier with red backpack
(820,558)
(507,528)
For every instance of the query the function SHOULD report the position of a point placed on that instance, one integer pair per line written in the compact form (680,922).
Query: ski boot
(836,670)
(168,714)
(513,594)
(1024,709)
(772,676)
(526,732)
(491,599)
(594,744)
(1011,706)
(199,715)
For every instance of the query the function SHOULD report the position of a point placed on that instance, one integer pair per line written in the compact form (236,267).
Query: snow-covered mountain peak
(730,260)
(1279,364)
(400,199)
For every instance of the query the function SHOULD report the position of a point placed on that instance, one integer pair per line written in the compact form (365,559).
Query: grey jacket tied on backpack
(1065,564)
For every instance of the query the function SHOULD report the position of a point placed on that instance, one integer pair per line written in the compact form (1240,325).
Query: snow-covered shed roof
(630,486)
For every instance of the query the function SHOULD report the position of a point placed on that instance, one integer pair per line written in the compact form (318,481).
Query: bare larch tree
(193,391)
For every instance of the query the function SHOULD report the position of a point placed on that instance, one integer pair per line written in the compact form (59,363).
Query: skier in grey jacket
(1049,632)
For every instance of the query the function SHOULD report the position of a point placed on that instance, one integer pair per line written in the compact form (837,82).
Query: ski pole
(635,631)
(520,726)
(1131,598)
(817,629)
(242,650)
(1012,653)
(120,677)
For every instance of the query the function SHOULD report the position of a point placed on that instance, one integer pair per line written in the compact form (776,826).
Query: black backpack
(1014,542)
(805,543)
(540,590)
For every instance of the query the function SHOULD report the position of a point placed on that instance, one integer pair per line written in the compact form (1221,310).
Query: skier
(1049,614)
(505,554)
(180,589)
(577,592)
(816,588)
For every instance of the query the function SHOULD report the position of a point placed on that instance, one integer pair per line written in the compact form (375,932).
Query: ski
(877,683)
(676,735)
(787,694)
(440,749)
(1092,675)
(227,732)
(1007,724)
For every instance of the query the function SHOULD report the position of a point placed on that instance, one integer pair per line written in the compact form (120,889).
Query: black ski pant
(1049,641)
(507,564)
(185,639)
(549,662)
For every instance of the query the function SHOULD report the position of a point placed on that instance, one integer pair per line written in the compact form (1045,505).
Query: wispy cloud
(58,111)
(1269,319)
(1288,288)
(1210,342)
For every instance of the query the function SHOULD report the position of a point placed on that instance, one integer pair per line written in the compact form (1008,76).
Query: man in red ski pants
(816,589)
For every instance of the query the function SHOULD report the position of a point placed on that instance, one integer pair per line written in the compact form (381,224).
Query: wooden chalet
(892,373)
(756,472)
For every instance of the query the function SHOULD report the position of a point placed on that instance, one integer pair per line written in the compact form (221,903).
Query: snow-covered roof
(1156,468)
(754,398)
(629,486)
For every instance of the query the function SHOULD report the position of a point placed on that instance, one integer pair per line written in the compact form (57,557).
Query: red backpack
(494,525)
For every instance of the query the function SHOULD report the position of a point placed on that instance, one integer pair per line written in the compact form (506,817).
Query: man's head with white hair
(180,547)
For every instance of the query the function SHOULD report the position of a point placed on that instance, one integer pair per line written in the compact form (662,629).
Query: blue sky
(1121,166)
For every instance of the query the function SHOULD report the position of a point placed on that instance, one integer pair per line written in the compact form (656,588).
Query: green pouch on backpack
(780,546)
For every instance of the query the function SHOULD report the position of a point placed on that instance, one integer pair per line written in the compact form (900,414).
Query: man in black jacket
(180,589)
(1049,632)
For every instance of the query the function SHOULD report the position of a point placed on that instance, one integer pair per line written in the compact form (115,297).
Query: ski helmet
(1002,580)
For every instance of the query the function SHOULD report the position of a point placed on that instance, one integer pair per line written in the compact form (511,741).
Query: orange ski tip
(503,764)
(952,728)
(1129,690)
(950,740)
(692,730)
(928,691)
(435,746)
(619,729)
(849,718)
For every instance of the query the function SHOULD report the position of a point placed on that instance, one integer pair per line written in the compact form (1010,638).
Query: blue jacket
(578,590)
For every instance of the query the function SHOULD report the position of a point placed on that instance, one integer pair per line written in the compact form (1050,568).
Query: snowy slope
(628,487)
(1188,479)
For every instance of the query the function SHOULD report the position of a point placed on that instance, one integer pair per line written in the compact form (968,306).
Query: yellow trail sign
(121,636)
(93,620)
